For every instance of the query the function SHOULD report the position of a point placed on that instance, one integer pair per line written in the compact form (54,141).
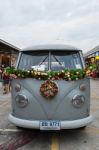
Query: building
(8,53)
(92,53)
(92,57)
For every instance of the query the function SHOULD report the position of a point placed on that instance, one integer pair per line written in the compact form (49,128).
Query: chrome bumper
(63,124)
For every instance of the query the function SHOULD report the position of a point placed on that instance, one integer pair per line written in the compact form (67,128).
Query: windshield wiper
(43,60)
(58,61)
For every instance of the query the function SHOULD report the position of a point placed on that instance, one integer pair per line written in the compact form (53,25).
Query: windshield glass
(34,60)
(67,59)
(57,60)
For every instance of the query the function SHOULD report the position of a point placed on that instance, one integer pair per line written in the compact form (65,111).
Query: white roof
(50,47)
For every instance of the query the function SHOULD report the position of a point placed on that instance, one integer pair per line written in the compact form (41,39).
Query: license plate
(50,125)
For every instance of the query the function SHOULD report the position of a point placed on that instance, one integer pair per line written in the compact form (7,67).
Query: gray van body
(58,113)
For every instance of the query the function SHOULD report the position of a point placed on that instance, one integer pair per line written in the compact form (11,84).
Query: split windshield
(53,60)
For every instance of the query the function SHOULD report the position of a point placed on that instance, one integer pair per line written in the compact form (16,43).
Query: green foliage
(72,74)
(10,70)
(92,67)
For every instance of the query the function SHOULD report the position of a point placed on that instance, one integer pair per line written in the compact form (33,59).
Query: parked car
(51,91)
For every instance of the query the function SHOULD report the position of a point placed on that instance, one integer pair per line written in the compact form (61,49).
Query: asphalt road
(12,138)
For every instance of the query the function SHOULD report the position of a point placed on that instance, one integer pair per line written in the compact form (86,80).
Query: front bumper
(63,124)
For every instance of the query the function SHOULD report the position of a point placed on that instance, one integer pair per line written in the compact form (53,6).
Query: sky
(25,23)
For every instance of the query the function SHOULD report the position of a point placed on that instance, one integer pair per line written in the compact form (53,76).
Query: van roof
(50,47)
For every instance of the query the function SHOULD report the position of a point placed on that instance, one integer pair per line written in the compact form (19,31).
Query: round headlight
(78,100)
(17,87)
(21,100)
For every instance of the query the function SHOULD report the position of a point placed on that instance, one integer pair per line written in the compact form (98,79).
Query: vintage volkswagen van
(51,91)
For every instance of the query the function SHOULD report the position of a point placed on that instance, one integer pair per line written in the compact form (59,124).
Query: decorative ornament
(77,73)
(88,72)
(69,79)
(13,76)
(67,74)
(18,75)
(48,89)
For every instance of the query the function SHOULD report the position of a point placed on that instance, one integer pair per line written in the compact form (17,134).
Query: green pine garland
(72,74)
(92,67)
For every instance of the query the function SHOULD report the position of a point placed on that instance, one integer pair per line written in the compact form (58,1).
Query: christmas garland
(67,74)
(48,89)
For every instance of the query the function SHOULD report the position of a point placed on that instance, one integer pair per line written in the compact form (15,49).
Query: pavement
(5,109)
(4,97)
